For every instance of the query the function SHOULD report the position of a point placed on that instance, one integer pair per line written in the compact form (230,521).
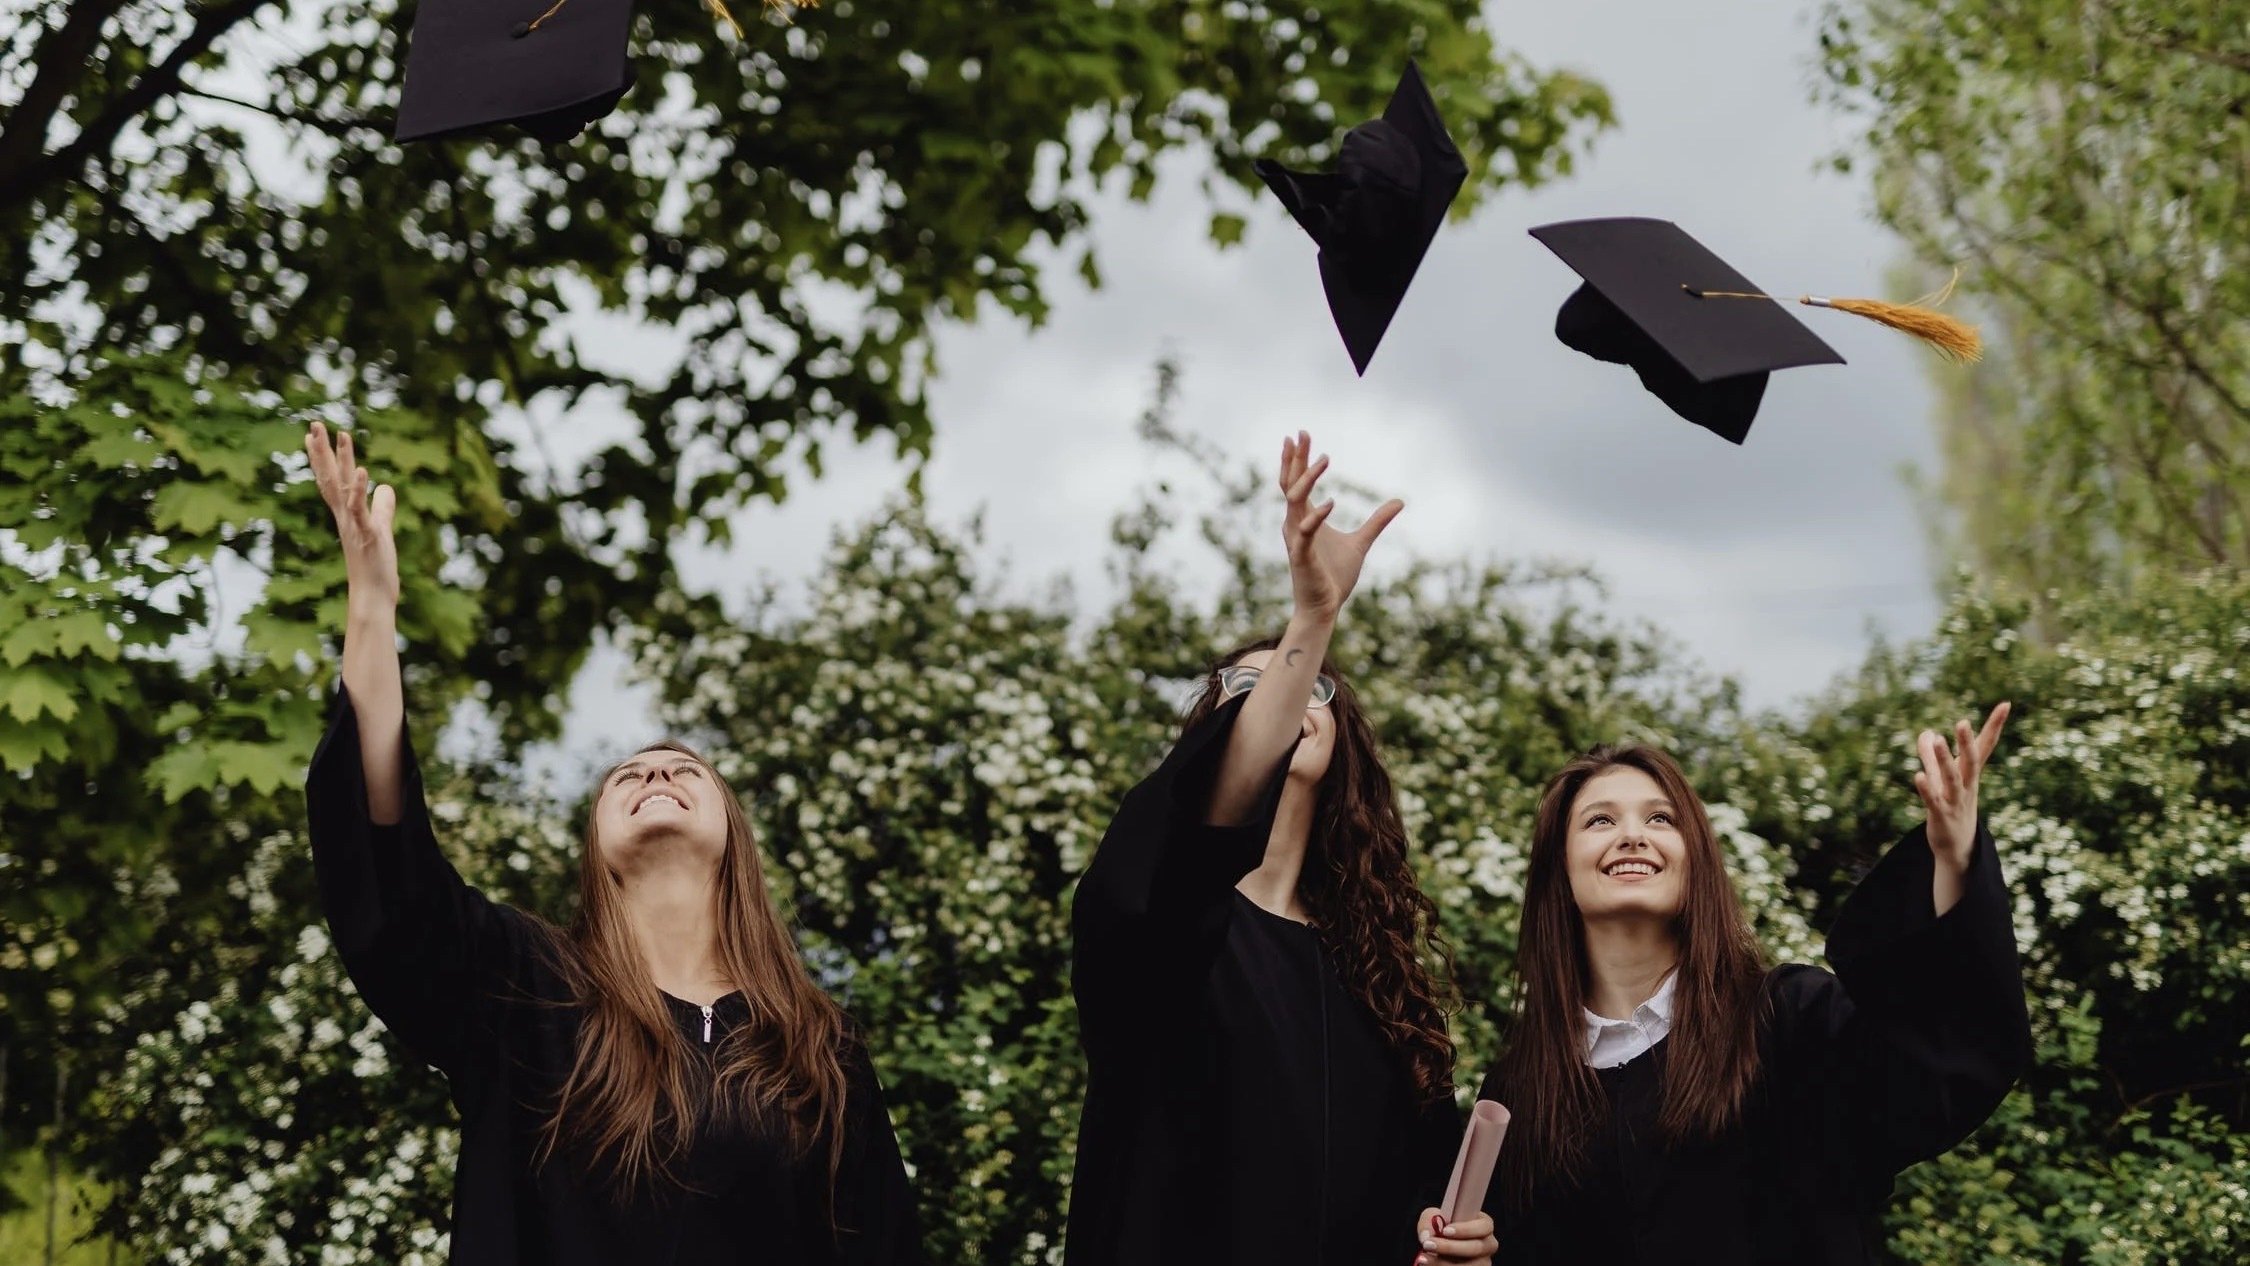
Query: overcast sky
(1770,562)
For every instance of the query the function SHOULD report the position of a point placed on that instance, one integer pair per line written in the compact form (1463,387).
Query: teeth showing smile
(1629,868)
(658,796)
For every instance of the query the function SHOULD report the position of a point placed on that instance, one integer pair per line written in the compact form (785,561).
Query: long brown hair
(635,1098)
(1367,909)
(1711,1055)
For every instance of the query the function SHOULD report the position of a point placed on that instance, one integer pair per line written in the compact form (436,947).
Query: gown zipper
(706,1026)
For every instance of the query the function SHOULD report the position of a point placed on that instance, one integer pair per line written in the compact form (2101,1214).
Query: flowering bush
(930,763)
(2121,805)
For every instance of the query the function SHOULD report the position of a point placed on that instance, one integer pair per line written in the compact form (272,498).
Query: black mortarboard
(1706,358)
(1375,215)
(549,68)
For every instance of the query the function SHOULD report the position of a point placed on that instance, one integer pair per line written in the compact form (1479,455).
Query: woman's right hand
(1324,563)
(363,520)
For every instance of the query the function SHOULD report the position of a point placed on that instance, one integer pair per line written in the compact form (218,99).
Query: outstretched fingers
(382,510)
(1301,491)
(1937,782)
(1988,738)
(1379,520)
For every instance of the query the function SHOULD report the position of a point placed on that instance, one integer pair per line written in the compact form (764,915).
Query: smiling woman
(661,1080)
(1675,1100)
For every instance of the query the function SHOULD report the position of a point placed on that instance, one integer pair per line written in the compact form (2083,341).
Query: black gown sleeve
(424,948)
(1923,1028)
(1152,907)
(876,1221)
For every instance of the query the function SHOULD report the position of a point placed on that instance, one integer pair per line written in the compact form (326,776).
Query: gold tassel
(1953,338)
(718,10)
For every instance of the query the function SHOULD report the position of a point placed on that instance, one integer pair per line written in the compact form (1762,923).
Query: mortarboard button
(1701,337)
(1376,214)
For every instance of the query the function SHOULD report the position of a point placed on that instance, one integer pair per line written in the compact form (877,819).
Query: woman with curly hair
(661,1081)
(1270,1074)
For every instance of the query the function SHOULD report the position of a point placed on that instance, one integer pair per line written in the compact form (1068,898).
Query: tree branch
(27,177)
(63,59)
(334,127)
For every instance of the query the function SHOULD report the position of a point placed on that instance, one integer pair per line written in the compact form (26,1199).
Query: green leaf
(121,447)
(29,637)
(23,748)
(198,508)
(188,768)
(279,639)
(28,692)
(85,632)
(179,715)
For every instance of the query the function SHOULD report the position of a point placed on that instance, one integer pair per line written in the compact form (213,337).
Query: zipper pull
(706,1026)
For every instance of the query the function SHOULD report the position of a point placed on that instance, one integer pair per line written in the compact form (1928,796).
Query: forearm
(1272,718)
(371,675)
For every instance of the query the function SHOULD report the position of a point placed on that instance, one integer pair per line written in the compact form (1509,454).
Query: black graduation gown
(1892,1060)
(1241,1105)
(463,983)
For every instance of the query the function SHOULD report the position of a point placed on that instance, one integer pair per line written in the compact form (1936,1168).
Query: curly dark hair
(1370,914)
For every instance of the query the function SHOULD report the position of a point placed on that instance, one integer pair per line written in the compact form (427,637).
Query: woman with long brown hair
(1674,1100)
(662,1081)
(1270,1075)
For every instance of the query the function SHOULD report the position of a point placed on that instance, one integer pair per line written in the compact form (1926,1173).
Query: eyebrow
(1659,802)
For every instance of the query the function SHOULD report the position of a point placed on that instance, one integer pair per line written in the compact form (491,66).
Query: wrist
(1953,854)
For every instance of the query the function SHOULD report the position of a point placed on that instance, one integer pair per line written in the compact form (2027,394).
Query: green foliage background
(183,282)
(2087,168)
(206,238)
(930,762)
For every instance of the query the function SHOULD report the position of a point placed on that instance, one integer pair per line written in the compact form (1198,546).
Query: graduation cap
(1701,336)
(549,67)
(1375,215)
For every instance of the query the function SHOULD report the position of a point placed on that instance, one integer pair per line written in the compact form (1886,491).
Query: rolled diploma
(1472,1170)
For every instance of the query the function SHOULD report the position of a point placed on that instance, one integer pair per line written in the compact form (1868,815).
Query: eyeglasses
(1240,680)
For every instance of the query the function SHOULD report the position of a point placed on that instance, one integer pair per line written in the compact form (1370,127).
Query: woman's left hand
(1468,1242)
(1948,783)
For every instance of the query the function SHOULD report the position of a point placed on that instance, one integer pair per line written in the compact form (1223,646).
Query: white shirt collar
(1613,1042)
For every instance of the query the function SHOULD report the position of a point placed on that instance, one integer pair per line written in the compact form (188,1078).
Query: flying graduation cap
(549,67)
(1701,337)
(1376,214)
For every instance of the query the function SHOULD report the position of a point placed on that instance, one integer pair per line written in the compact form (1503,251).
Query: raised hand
(1948,784)
(1324,563)
(363,520)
